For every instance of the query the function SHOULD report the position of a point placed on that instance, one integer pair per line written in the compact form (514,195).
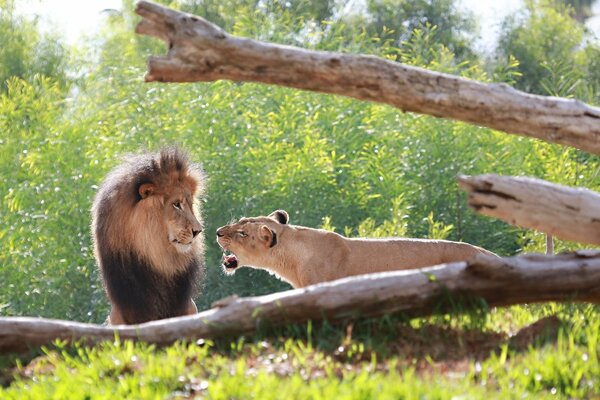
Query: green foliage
(506,71)
(553,54)
(396,225)
(437,230)
(219,11)
(331,25)
(45,254)
(592,73)
(371,170)
(581,10)
(401,19)
(25,52)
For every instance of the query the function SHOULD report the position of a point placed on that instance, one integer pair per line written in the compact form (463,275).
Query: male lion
(304,256)
(147,238)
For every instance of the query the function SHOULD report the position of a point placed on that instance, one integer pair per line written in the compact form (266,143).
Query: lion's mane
(143,276)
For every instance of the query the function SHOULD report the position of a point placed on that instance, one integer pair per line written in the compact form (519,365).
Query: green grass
(474,355)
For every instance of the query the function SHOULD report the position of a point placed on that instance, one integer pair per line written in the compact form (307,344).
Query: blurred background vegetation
(68,114)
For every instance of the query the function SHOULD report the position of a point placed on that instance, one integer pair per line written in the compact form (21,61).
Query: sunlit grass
(390,357)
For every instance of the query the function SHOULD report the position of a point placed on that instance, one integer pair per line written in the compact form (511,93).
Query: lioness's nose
(220,232)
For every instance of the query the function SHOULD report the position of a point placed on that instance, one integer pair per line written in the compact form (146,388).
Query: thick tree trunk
(500,282)
(561,211)
(201,51)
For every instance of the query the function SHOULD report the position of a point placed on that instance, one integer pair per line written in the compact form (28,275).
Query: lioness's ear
(281,216)
(146,189)
(267,236)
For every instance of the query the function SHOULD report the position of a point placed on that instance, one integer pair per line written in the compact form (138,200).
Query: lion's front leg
(115,317)
(191,309)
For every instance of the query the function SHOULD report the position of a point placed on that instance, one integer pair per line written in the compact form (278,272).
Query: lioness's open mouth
(230,261)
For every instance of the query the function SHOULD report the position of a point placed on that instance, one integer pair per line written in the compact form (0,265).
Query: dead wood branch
(500,282)
(201,51)
(565,212)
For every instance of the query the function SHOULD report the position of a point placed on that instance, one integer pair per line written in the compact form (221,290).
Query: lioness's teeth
(229,261)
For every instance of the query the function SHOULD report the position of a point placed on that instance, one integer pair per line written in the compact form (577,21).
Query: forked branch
(201,51)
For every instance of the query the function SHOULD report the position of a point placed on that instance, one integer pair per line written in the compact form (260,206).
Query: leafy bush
(45,254)
(553,51)
(365,168)
(26,52)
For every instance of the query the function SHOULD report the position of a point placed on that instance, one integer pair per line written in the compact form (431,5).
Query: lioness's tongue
(230,261)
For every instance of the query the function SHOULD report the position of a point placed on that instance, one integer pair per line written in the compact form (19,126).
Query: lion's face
(178,214)
(182,224)
(248,239)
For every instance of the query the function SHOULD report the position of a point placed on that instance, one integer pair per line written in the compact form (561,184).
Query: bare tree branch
(201,51)
(500,282)
(565,212)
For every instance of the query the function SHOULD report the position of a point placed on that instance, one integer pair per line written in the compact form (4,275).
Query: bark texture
(561,211)
(498,281)
(201,51)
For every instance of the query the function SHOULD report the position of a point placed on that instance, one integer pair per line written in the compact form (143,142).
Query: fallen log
(498,281)
(565,212)
(202,51)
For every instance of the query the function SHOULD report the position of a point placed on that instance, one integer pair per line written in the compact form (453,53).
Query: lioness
(304,256)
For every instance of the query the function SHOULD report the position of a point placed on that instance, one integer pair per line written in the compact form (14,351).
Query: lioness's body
(304,256)
(146,237)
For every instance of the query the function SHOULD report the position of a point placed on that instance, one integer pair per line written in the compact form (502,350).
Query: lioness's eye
(242,234)
(177,205)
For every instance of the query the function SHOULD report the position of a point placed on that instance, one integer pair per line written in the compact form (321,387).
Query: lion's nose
(195,232)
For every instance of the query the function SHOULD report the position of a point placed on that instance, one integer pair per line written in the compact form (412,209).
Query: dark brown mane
(169,165)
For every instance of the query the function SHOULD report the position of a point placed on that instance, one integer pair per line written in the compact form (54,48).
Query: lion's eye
(177,205)
(242,233)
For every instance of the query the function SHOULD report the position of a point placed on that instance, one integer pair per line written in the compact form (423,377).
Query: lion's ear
(146,189)
(280,216)
(267,236)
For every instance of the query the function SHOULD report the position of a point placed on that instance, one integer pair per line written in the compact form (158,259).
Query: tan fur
(304,256)
(142,226)
(145,218)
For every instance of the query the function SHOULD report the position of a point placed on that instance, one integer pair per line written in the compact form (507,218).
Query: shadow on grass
(381,343)
(391,342)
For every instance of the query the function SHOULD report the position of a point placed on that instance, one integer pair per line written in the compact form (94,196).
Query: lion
(147,238)
(305,256)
